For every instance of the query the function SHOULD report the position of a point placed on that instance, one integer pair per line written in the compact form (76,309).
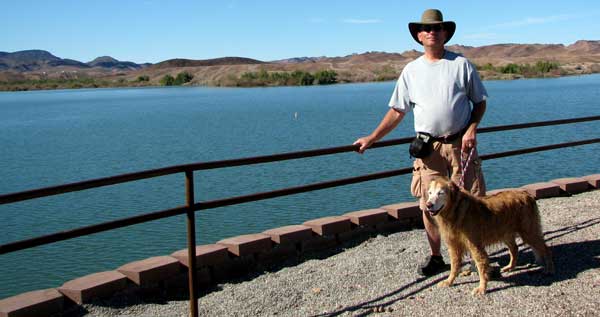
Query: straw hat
(432,16)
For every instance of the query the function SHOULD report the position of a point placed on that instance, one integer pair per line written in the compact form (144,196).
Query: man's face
(432,35)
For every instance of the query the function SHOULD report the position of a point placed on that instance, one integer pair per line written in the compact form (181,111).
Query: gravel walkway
(378,277)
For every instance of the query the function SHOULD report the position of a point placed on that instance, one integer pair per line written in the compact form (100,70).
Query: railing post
(191,230)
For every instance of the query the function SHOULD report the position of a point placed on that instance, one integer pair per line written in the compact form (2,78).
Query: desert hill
(580,57)
(180,62)
(111,63)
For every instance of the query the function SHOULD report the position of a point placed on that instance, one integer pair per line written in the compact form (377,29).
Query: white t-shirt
(439,93)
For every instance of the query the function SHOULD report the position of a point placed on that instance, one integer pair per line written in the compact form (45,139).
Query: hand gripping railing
(192,206)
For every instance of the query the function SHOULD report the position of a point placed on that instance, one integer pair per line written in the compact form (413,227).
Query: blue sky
(156,30)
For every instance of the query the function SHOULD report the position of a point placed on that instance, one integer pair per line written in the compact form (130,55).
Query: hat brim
(415,27)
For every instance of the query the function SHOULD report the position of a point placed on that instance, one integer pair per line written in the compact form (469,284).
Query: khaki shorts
(444,160)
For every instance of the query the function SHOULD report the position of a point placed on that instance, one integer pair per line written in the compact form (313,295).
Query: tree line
(540,68)
(180,79)
(295,78)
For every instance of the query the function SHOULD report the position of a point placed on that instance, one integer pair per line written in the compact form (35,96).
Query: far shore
(90,82)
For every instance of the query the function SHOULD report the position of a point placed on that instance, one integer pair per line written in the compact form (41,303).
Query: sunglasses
(432,27)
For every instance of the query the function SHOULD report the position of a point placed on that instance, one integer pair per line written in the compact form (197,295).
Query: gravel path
(378,277)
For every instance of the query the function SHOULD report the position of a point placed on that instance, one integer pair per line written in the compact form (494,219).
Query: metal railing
(192,206)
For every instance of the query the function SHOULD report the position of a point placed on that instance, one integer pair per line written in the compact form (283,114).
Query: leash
(464,165)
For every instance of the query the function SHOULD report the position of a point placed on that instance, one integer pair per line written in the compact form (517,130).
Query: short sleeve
(476,92)
(400,99)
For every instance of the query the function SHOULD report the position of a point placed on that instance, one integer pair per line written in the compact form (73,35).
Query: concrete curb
(235,256)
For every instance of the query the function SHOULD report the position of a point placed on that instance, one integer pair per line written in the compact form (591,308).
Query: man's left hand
(469,140)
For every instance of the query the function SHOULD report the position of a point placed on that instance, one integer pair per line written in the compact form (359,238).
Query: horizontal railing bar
(536,124)
(288,156)
(55,237)
(113,180)
(120,223)
(83,231)
(89,184)
(538,149)
(347,181)
(299,189)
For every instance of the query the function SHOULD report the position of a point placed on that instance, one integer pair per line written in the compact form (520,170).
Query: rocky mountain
(581,57)
(507,53)
(181,62)
(109,62)
(296,60)
(40,60)
(32,60)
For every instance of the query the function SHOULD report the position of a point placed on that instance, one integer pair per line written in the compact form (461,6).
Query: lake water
(55,137)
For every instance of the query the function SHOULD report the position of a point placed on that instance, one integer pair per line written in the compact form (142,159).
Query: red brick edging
(231,256)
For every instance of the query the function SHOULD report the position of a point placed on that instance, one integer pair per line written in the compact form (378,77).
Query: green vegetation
(539,69)
(386,73)
(57,83)
(182,78)
(263,77)
(167,80)
(295,78)
(325,77)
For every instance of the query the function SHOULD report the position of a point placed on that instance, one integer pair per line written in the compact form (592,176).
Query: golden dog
(470,223)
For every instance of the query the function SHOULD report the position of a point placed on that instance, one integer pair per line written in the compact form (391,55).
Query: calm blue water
(55,137)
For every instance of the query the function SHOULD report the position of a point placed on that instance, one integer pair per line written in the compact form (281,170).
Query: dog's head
(441,190)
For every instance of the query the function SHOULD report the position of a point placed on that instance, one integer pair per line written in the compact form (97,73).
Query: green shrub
(182,78)
(303,78)
(326,77)
(511,69)
(167,80)
(546,66)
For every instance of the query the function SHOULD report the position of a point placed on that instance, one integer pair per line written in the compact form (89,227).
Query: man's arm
(387,124)
(469,139)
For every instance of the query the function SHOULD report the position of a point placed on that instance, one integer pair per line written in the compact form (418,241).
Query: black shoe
(434,266)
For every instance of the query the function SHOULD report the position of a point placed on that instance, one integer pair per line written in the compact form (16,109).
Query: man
(439,88)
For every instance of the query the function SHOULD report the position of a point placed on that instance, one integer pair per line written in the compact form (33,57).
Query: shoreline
(486,76)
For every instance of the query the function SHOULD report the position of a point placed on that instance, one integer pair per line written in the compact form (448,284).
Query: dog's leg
(513,250)
(541,251)
(481,260)
(456,252)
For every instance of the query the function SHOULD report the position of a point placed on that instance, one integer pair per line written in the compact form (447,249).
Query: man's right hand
(364,142)
(387,124)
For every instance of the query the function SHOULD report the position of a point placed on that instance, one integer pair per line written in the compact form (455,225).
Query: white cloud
(480,36)
(362,21)
(534,20)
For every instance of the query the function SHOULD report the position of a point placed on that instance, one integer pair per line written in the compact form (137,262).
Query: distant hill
(109,62)
(180,62)
(581,57)
(32,60)
(578,51)
(40,60)
(296,60)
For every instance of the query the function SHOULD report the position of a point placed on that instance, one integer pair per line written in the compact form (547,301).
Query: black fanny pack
(421,146)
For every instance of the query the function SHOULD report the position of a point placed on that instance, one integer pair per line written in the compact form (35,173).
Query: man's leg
(433,234)
(430,167)
(435,263)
